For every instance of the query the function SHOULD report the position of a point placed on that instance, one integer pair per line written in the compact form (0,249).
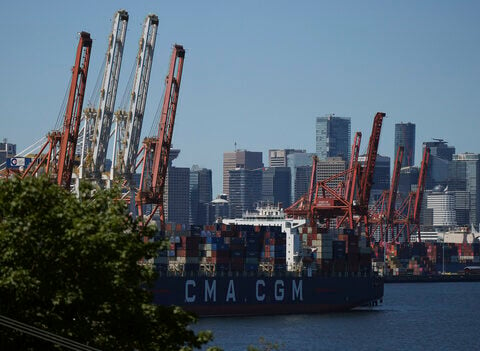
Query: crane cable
(61,113)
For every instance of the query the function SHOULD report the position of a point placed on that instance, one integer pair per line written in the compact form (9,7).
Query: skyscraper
(408,179)
(300,165)
(200,194)
(381,176)
(329,167)
(440,157)
(278,157)
(464,177)
(239,159)
(405,136)
(276,186)
(301,182)
(442,203)
(333,137)
(245,190)
(176,195)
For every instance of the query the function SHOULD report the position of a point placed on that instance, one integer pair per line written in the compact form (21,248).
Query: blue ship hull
(258,295)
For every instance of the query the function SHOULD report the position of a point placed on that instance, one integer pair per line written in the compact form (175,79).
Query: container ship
(264,264)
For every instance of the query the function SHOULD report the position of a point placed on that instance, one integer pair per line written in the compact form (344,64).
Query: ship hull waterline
(255,296)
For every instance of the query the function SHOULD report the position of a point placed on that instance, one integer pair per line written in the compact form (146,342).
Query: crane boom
(421,185)
(102,118)
(157,150)
(351,177)
(392,195)
(129,123)
(367,174)
(73,112)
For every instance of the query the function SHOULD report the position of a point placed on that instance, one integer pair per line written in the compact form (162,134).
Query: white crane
(128,124)
(98,122)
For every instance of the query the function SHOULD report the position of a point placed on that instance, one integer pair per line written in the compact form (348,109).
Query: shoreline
(447,278)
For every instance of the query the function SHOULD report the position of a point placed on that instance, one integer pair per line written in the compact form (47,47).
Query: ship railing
(262,274)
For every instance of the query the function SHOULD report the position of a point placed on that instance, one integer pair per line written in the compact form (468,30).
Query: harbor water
(414,316)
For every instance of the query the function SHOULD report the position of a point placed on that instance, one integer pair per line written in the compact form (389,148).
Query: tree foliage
(70,265)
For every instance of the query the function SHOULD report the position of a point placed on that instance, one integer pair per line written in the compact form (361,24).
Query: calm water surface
(414,316)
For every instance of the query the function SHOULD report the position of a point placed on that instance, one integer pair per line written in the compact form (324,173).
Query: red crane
(156,150)
(61,153)
(302,207)
(353,176)
(383,211)
(392,194)
(408,215)
(367,174)
(347,202)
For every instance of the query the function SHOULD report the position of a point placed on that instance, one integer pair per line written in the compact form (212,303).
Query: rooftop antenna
(235,146)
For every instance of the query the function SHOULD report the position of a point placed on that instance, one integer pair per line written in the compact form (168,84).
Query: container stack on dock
(427,258)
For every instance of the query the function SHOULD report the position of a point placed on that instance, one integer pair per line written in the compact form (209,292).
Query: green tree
(70,266)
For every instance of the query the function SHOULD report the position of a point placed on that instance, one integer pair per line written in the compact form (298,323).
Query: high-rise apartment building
(245,190)
(276,183)
(239,159)
(278,157)
(333,138)
(200,194)
(464,176)
(300,165)
(405,136)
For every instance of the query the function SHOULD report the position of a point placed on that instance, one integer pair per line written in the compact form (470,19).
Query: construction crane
(407,217)
(61,152)
(128,124)
(156,150)
(98,121)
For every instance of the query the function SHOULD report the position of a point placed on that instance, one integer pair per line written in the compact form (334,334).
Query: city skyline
(419,68)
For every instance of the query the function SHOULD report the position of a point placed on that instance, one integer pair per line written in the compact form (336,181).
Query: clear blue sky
(258,72)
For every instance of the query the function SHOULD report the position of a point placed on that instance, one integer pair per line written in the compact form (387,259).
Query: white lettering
(258,296)
(188,297)
(211,291)
(279,290)
(231,292)
(297,290)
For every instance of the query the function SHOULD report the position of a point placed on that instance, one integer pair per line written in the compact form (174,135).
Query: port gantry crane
(383,211)
(351,208)
(59,160)
(407,217)
(98,122)
(156,150)
(348,202)
(302,207)
(128,124)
